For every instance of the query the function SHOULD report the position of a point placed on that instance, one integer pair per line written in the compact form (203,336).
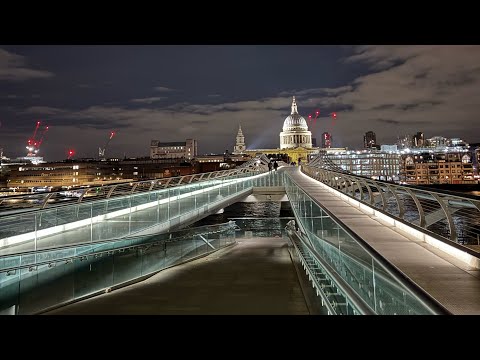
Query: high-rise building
(389,148)
(418,140)
(326,140)
(173,150)
(404,142)
(436,141)
(369,140)
(240,142)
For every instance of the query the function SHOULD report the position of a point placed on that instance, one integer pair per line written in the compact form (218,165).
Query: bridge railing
(447,216)
(15,204)
(104,217)
(33,282)
(341,263)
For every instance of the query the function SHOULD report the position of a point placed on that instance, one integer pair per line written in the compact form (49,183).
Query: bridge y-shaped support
(448,216)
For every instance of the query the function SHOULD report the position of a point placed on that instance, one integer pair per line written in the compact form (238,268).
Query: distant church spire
(239,147)
(294,107)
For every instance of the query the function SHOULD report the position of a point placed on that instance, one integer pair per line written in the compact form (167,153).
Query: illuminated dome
(295,121)
(295,132)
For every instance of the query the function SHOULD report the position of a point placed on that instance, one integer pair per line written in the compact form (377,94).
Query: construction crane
(101,151)
(33,144)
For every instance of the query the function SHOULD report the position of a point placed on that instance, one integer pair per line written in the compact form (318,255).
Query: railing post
(370,193)
(374,287)
(352,185)
(91,222)
(446,210)
(111,191)
(130,214)
(382,194)
(421,213)
(35,219)
(360,189)
(401,209)
(152,185)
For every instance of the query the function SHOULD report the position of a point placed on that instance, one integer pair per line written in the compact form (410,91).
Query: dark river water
(261,218)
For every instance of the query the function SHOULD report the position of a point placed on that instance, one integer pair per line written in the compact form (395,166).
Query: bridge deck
(255,276)
(451,282)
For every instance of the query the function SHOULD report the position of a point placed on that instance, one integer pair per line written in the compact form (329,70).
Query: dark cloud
(383,107)
(416,88)
(388,121)
(149,100)
(421,75)
(425,104)
(13,68)
(408,106)
(163,89)
(43,110)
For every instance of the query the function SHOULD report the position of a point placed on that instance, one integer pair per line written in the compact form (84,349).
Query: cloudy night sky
(170,93)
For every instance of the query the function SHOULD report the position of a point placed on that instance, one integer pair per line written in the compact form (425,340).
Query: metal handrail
(312,276)
(342,285)
(447,205)
(134,187)
(231,225)
(425,298)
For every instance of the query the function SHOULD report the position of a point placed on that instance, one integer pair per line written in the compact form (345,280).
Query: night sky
(170,93)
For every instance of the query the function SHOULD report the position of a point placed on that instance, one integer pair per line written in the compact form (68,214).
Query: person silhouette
(275,165)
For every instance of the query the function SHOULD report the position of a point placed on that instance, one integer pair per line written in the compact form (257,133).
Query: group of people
(273,165)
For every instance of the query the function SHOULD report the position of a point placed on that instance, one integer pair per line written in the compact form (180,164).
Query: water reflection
(261,219)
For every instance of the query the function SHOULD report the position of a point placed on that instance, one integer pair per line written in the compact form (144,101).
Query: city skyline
(171,93)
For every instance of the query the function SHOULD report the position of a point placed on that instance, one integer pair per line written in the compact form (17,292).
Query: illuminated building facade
(240,142)
(173,150)
(295,139)
(369,140)
(326,140)
(437,168)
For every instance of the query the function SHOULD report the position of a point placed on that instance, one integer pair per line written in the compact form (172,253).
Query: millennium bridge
(354,246)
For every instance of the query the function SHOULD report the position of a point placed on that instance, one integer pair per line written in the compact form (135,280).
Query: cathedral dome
(295,132)
(295,121)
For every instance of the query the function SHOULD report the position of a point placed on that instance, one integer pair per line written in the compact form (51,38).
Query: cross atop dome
(294,107)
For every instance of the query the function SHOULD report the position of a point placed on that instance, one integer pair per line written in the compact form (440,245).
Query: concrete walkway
(255,276)
(451,282)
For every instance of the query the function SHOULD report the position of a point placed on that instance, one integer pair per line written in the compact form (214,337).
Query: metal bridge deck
(255,276)
(451,282)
